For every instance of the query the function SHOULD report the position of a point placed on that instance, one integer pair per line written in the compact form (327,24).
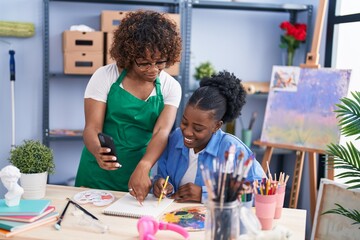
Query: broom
(22,30)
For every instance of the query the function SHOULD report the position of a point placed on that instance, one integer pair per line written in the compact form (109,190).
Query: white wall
(28,84)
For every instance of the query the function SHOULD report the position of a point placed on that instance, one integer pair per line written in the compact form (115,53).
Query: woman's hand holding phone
(108,158)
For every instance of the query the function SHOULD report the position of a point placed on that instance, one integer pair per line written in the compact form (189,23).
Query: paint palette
(96,197)
(190,218)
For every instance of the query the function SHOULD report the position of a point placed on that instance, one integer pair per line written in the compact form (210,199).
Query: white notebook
(127,206)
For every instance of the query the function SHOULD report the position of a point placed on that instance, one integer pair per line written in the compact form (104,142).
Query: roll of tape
(256,87)
(250,89)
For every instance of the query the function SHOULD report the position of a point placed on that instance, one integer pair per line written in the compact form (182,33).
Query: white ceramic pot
(34,185)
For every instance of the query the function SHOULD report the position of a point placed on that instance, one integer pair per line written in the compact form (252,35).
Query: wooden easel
(297,175)
(312,60)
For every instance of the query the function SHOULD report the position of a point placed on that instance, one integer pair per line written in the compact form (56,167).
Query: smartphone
(107,141)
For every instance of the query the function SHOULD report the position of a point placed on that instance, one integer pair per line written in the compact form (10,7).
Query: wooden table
(126,228)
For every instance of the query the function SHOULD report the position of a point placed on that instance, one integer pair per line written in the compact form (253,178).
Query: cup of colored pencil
(265,202)
(280,194)
(280,190)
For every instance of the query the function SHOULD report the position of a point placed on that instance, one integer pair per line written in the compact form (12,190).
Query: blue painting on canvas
(301,104)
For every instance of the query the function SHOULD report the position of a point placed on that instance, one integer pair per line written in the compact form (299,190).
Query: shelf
(62,75)
(132,2)
(65,134)
(261,150)
(250,6)
(184,8)
(291,9)
(173,7)
(59,137)
(257,96)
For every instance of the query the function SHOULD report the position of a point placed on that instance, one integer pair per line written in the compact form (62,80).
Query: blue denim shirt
(174,161)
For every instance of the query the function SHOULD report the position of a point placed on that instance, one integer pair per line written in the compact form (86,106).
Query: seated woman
(200,139)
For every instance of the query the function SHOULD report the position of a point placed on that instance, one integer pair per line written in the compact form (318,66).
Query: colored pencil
(162,191)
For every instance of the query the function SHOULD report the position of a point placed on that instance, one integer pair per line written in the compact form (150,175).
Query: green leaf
(283,45)
(205,69)
(347,157)
(353,214)
(349,113)
(32,157)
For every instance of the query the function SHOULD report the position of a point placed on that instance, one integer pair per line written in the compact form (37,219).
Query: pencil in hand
(163,189)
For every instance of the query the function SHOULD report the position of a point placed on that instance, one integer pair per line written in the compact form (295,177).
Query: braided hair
(223,93)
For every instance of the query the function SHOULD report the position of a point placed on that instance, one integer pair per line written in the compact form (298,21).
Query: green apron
(130,121)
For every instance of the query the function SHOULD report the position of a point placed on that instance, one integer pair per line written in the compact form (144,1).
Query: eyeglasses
(147,66)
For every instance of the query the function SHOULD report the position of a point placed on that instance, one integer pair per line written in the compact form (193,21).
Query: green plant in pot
(205,69)
(35,161)
(347,157)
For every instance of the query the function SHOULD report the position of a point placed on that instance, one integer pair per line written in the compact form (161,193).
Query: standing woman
(133,100)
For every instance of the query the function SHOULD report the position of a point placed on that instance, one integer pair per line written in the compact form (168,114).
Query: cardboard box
(175,17)
(109,40)
(82,62)
(83,41)
(110,20)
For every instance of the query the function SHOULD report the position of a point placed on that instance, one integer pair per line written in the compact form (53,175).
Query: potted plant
(35,161)
(347,157)
(205,69)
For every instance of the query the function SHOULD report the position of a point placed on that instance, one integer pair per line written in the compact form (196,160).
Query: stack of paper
(27,215)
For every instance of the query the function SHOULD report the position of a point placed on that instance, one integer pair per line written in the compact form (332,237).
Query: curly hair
(223,93)
(146,30)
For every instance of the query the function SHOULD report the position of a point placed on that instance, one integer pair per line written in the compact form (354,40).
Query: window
(342,46)
(343,35)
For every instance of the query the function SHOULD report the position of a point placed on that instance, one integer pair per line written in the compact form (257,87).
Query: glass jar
(222,222)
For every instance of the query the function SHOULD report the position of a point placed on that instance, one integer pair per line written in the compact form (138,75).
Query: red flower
(294,35)
(301,26)
(285,25)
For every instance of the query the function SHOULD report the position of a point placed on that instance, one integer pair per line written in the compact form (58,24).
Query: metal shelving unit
(172,6)
(184,8)
(189,5)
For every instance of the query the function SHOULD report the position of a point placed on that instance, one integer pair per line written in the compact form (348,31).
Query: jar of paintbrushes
(222,220)
(224,184)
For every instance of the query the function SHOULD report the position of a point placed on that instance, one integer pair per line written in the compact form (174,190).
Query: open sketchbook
(127,206)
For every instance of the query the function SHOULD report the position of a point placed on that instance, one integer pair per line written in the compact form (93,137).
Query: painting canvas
(334,226)
(301,104)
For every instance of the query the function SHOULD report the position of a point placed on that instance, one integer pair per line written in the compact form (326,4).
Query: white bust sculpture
(9,176)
